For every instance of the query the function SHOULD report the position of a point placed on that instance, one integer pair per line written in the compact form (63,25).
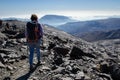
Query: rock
(67,78)
(105,76)
(4,43)
(58,61)
(61,51)
(2,65)
(34,78)
(19,35)
(87,77)
(68,67)
(115,71)
(72,75)
(104,67)
(80,76)
(1,23)
(22,57)
(54,67)
(75,69)
(11,61)
(6,51)
(10,32)
(59,69)
(24,47)
(21,40)
(2,57)
(7,78)
(51,46)
(2,36)
(10,68)
(77,53)
(13,56)
(57,76)
(45,53)
(46,68)
(59,39)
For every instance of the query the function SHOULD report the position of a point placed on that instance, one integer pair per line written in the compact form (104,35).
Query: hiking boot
(31,69)
(39,63)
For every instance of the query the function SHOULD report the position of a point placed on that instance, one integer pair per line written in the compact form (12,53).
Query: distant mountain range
(90,26)
(100,35)
(17,19)
(94,30)
(55,20)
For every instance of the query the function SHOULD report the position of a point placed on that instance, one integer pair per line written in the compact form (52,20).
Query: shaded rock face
(112,69)
(115,72)
(0,22)
(63,57)
(61,51)
(77,53)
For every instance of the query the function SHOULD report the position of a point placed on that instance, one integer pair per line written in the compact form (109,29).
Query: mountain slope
(65,58)
(90,26)
(100,35)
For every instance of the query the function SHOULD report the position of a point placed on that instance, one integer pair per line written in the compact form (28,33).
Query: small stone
(46,68)
(80,75)
(72,75)
(58,75)
(23,57)
(35,78)
(59,69)
(67,78)
(69,67)
(10,68)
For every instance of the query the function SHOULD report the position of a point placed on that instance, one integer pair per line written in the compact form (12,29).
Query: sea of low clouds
(77,15)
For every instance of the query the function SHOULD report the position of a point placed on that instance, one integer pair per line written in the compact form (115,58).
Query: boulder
(115,71)
(2,65)
(51,46)
(1,58)
(61,51)
(77,53)
(58,61)
(80,76)
(2,36)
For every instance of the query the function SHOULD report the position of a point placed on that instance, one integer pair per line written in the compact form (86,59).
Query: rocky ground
(64,57)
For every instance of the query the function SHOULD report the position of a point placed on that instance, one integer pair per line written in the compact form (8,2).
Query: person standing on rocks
(34,34)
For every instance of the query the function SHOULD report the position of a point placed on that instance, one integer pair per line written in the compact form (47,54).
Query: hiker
(34,34)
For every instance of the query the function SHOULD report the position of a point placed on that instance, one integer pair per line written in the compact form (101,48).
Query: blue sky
(24,8)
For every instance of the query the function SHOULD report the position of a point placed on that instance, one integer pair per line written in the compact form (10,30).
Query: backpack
(33,31)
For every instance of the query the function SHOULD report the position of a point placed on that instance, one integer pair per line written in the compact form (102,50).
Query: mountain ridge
(55,20)
(100,35)
(92,25)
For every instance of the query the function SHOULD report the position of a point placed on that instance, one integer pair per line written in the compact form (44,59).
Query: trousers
(32,47)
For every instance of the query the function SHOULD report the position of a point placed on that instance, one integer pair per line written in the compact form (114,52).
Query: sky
(74,8)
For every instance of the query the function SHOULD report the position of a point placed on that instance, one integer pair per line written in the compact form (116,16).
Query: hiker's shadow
(27,75)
